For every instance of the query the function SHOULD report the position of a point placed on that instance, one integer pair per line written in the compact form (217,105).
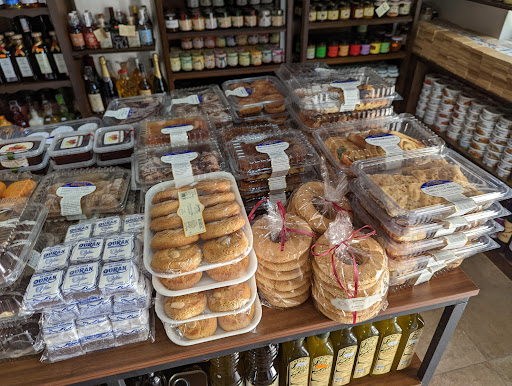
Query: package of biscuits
(154,164)
(350,272)
(83,193)
(20,338)
(114,145)
(18,185)
(421,187)
(203,100)
(347,142)
(134,110)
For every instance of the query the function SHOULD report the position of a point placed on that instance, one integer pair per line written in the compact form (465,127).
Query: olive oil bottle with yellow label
(389,338)
(367,335)
(296,359)
(321,353)
(345,348)
(412,328)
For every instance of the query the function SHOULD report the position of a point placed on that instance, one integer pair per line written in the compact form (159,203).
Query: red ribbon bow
(284,229)
(333,249)
(337,207)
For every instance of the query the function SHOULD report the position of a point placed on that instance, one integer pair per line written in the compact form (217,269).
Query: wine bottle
(94,92)
(88,29)
(144,86)
(23,58)
(109,90)
(45,62)
(159,84)
(7,66)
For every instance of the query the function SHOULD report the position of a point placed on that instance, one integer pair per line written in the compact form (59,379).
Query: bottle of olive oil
(321,353)
(389,338)
(412,328)
(296,359)
(367,335)
(345,347)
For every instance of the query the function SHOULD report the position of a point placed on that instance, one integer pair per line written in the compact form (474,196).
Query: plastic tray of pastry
(410,186)
(10,131)
(255,188)
(260,95)
(50,131)
(249,158)
(20,153)
(21,338)
(239,129)
(115,143)
(17,185)
(176,336)
(346,142)
(154,164)
(177,132)
(96,191)
(275,119)
(208,100)
(11,307)
(206,283)
(288,71)
(129,111)
(170,237)
(242,304)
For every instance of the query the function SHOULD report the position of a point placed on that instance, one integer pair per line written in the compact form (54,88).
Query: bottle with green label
(321,353)
(345,348)
(296,359)
(367,335)
(412,327)
(389,338)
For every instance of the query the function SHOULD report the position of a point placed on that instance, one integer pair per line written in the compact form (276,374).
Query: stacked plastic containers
(431,210)
(203,266)
(90,289)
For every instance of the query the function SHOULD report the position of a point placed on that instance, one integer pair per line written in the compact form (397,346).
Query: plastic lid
(21,148)
(72,143)
(134,109)
(287,71)
(114,138)
(178,132)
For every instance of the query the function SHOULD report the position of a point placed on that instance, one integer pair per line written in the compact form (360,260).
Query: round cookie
(285,275)
(225,248)
(202,187)
(182,282)
(215,199)
(199,328)
(282,285)
(185,306)
(237,321)
(222,227)
(229,298)
(289,266)
(164,208)
(286,303)
(285,294)
(220,211)
(172,238)
(170,221)
(184,259)
(229,272)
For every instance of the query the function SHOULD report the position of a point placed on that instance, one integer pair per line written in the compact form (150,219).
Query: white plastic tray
(176,338)
(160,301)
(148,234)
(206,282)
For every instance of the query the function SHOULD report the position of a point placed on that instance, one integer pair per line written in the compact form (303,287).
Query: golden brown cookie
(204,187)
(285,275)
(164,208)
(199,329)
(223,227)
(284,294)
(229,272)
(184,259)
(182,282)
(286,303)
(229,298)
(220,211)
(301,262)
(225,248)
(237,321)
(282,285)
(170,221)
(185,306)
(172,238)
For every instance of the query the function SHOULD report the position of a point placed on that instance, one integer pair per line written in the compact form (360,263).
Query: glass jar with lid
(277,18)
(224,18)
(355,48)
(256,57)
(198,42)
(209,41)
(218,3)
(264,19)
(332,49)
(311,51)
(266,55)
(357,10)
(405,8)
(345,10)
(244,58)
(333,12)
(252,39)
(394,8)
(198,22)
(396,43)
(385,44)
(220,41)
(211,20)
(237,18)
(321,12)
(343,47)
(368,10)
(275,38)
(232,57)
(321,49)
(209,59)
(198,61)
(312,13)
(186,61)
(250,18)
(277,55)
(175,61)
(220,58)
(186,44)
(263,38)
(172,23)
(241,40)
(375,45)
(230,41)
(365,46)
(185,22)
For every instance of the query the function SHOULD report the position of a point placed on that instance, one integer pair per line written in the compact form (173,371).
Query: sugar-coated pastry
(172,238)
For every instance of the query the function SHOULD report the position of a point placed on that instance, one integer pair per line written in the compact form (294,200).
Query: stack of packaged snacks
(202,261)
(435,201)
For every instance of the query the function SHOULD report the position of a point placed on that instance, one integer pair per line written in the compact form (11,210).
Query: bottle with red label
(91,42)
(75,32)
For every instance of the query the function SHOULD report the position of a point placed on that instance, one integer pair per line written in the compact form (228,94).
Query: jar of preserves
(375,45)
(312,13)
(357,10)
(405,8)
(172,23)
(224,18)
(332,49)
(209,59)
(241,40)
(277,18)
(396,43)
(321,50)
(232,58)
(394,8)
(263,38)
(256,58)
(186,61)
(264,19)
(211,20)
(343,48)
(365,47)
(333,12)
(345,10)
(185,22)
(252,40)
(244,58)
(198,61)
(266,55)
(175,62)
(278,55)
(368,10)
(198,23)
(230,41)
(186,44)
(275,38)
(385,45)
(355,48)
(311,51)
(198,42)
(220,41)
(250,18)
(362,29)
(237,19)
(321,12)
(209,42)
(220,59)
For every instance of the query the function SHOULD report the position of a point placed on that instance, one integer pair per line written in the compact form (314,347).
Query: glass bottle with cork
(93,92)
(296,360)
(45,62)
(227,370)
(109,89)
(133,38)
(367,335)
(7,66)
(118,41)
(58,57)
(18,117)
(345,348)
(91,42)
(412,328)
(261,367)
(65,114)
(145,27)
(144,86)
(321,353)
(75,32)
(390,334)
(23,57)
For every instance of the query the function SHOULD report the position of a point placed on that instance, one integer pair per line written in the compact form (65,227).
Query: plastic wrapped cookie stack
(198,247)
(431,209)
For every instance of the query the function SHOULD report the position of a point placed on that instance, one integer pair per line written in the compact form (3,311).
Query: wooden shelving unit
(34,86)
(80,54)
(31,12)
(494,3)
(361,58)
(224,32)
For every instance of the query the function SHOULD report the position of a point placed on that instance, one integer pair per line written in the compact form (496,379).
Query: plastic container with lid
(346,142)
(11,307)
(72,147)
(21,338)
(287,71)
(75,165)
(10,131)
(115,143)
(50,131)
(20,153)
(127,111)
(420,187)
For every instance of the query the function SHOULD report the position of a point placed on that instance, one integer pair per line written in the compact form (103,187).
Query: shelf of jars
(79,54)
(224,32)
(34,86)
(228,71)
(351,23)
(361,58)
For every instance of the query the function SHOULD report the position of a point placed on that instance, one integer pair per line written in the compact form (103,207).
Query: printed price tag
(178,134)
(127,30)
(351,95)
(277,183)
(355,304)
(181,167)
(452,192)
(190,100)
(71,195)
(456,240)
(451,225)
(388,142)
(279,161)
(123,113)
(100,34)
(382,9)
(426,275)
(239,92)
(280,196)
(442,256)
(191,212)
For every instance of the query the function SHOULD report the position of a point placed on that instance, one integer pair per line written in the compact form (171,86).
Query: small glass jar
(277,18)
(186,61)
(332,49)
(232,58)
(209,42)
(230,41)
(244,58)
(198,61)
(264,18)
(275,38)
(277,55)
(186,44)
(250,18)
(241,3)
(185,22)
(198,23)
(321,12)
(345,10)
(333,12)
(175,62)
(172,23)
(224,19)
(252,40)
(220,59)
(343,48)
(241,40)
(266,55)
(263,38)
(237,19)
(368,10)
(220,41)
(365,47)
(192,3)
(312,14)
(355,48)
(394,8)
(362,29)
(198,42)
(321,50)
(385,45)
(357,10)
(396,43)
(256,58)
(209,59)
(375,45)
(205,3)
(311,51)
(405,8)
(211,20)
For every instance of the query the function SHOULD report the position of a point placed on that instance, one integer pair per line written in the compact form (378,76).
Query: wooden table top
(275,326)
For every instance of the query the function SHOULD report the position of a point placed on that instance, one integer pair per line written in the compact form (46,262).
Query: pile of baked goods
(177,132)
(131,111)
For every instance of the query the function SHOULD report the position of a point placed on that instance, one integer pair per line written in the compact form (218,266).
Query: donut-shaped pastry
(282,285)
(183,259)
(285,275)
(164,208)
(170,221)
(301,263)
(181,282)
(229,298)
(222,227)
(172,238)
(185,306)
(285,294)
(225,248)
(237,321)
(286,303)
(199,328)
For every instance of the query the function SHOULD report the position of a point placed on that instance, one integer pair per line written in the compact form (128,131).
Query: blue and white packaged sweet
(94,306)
(80,231)
(130,327)
(133,223)
(119,248)
(62,351)
(107,226)
(61,314)
(56,334)
(95,333)
(138,300)
(43,290)
(81,281)
(87,250)
(54,258)
(118,277)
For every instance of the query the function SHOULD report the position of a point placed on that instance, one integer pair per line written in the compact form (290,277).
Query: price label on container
(191,213)
(452,192)
(178,134)
(451,224)
(456,240)
(190,100)
(71,196)
(123,113)
(239,92)
(351,96)
(279,161)
(182,172)
(388,142)
(127,30)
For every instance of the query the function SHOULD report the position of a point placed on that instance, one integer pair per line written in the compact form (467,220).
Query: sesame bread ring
(220,211)
(202,187)
(183,259)
(309,198)
(229,298)
(289,266)
(222,227)
(164,208)
(229,272)
(170,221)
(172,238)
(237,321)
(281,285)
(182,282)
(199,328)
(270,250)
(185,306)
(286,303)
(285,275)
(285,294)
(225,248)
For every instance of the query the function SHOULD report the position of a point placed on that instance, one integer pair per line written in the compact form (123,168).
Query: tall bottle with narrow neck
(227,370)
(262,369)
(345,348)
(35,119)
(412,328)
(159,83)
(296,361)
(321,353)
(109,89)
(390,334)
(367,336)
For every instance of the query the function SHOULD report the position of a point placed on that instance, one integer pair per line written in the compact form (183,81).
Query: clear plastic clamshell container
(129,111)
(18,154)
(255,188)
(239,129)
(258,155)
(11,307)
(347,142)
(21,338)
(288,71)
(115,143)
(79,194)
(420,187)
(154,164)
(203,100)
(10,131)
(72,148)
(50,131)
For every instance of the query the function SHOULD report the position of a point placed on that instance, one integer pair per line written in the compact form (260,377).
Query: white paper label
(350,94)
(15,163)
(172,24)
(53,258)
(279,196)
(425,275)
(277,183)
(239,92)
(451,225)
(181,167)
(123,113)
(388,142)
(43,287)
(118,248)
(133,223)
(71,195)
(456,240)
(87,250)
(278,158)
(113,137)
(61,64)
(117,276)
(178,133)
(452,192)
(24,66)
(72,142)
(382,9)
(356,304)
(441,257)
(190,100)
(44,64)
(7,68)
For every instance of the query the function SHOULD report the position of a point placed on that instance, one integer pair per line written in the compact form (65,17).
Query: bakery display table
(450,291)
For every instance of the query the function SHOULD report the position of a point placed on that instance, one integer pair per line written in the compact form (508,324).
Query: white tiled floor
(480,352)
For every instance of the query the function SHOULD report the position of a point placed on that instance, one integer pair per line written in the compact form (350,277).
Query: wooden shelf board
(79,54)
(31,12)
(276,326)
(406,377)
(361,58)
(351,23)
(228,71)
(33,86)
(491,3)
(224,32)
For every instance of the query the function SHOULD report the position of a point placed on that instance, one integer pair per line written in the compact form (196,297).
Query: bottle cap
(324,335)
